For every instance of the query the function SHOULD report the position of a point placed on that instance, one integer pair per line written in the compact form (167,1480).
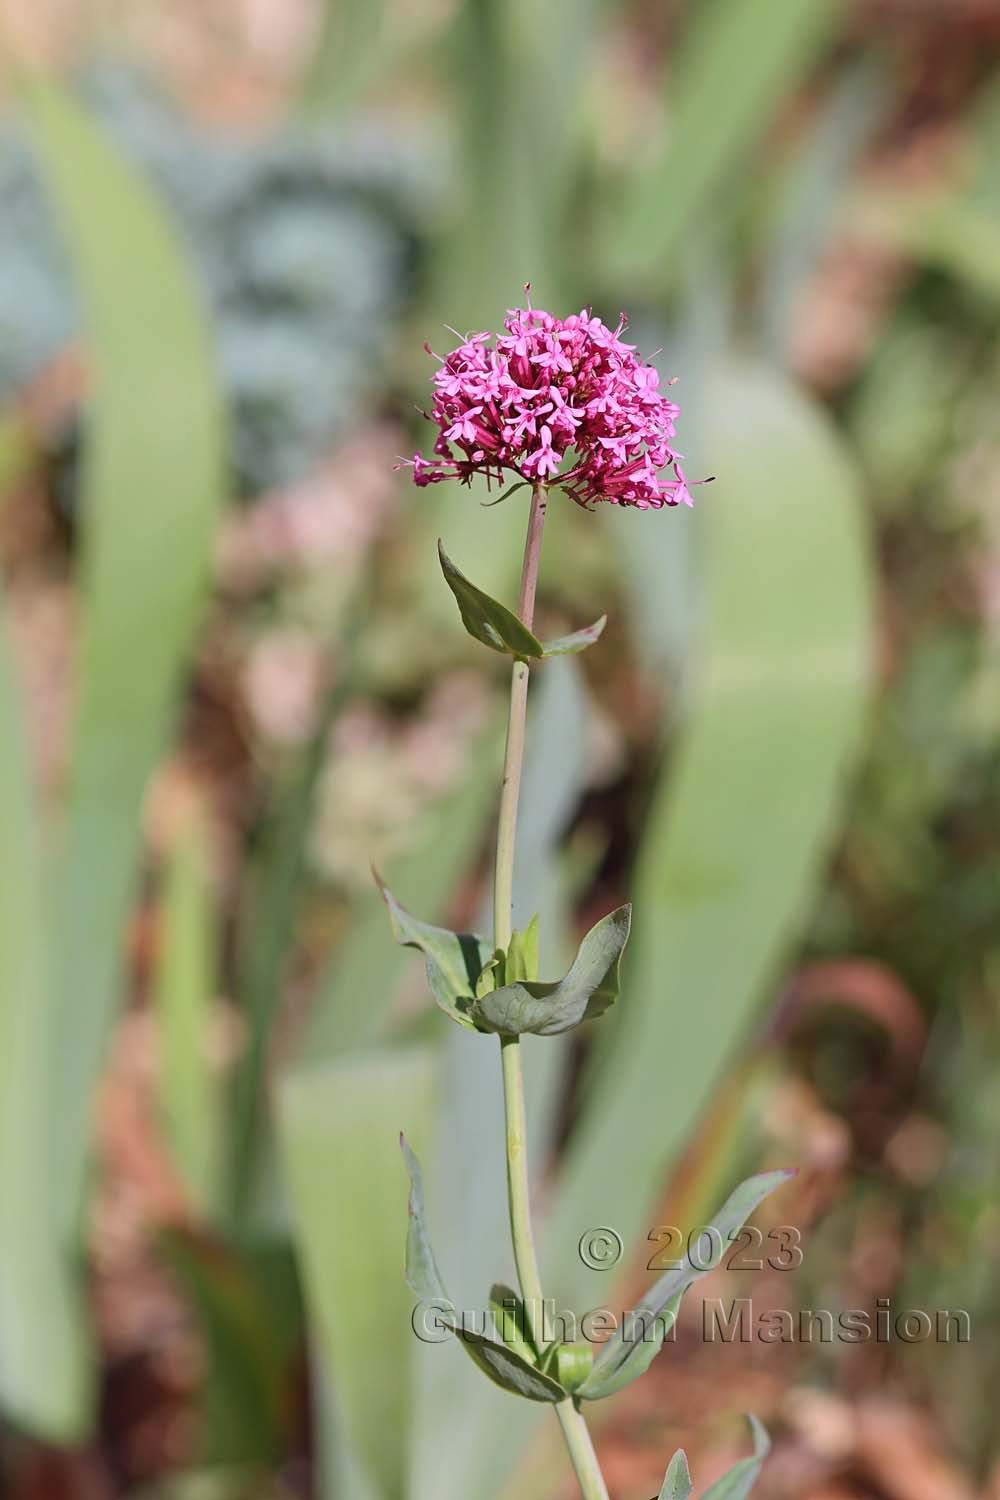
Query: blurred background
(230,679)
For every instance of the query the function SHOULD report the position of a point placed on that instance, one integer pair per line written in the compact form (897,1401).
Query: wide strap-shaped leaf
(677,1480)
(505,1366)
(487,619)
(631,1349)
(548,1008)
(741,1478)
(154,430)
(454,960)
(337,1126)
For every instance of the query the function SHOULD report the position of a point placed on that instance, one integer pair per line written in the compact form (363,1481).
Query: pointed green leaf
(737,1484)
(677,1480)
(588,989)
(508,1369)
(521,958)
(579,640)
(454,960)
(504,1365)
(530,948)
(422,1274)
(630,1351)
(645,1342)
(511,1322)
(487,980)
(486,619)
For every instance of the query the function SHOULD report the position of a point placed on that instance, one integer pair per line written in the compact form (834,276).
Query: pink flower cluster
(552,387)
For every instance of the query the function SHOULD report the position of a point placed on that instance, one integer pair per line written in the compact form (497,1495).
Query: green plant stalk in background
(574,1427)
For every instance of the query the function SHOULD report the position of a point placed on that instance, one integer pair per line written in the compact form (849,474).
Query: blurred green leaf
(152,488)
(636,1342)
(338,1130)
(346,54)
(183,994)
(677,1480)
(731,75)
(15,452)
(45,1380)
(547,1008)
(249,1319)
(355,995)
(422,1274)
(937,228)
(267,931)
(812,192)
(737,1484)
(498,239)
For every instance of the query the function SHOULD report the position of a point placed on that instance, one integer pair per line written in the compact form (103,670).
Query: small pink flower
(559,400)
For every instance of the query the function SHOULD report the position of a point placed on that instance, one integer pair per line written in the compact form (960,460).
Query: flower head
(559,400)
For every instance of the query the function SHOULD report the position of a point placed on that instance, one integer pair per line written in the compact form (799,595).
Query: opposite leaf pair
(494,625)
(498,990)
(514,1362)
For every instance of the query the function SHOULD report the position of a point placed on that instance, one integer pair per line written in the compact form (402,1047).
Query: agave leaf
(487,619)
(337,1134)
(155,430)
(632,1348)
(586,991)
(47,1362)
(454,960)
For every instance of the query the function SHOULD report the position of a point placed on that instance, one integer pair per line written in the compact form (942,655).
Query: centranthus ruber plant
(557,404)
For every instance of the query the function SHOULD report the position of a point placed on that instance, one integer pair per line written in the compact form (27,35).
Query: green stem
(574,1428)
